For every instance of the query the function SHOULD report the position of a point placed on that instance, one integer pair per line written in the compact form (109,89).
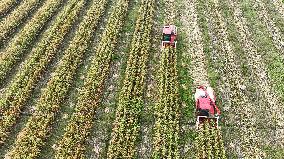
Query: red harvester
(206,109)
(169,36)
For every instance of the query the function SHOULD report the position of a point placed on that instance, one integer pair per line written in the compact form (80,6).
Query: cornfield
(90,79)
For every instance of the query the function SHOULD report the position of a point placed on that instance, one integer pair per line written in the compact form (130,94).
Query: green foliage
(24,39)
(49,103)
(21,87)
(14,19)
(126,125)
(72,145)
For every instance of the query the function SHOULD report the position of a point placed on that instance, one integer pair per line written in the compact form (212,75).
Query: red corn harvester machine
(169,36)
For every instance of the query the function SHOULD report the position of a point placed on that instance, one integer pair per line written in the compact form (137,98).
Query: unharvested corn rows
(126,125)
(167,109)
(72,145)
(16,17)
(20,43)
(209,143)
(48,106)
(21,87)
(5,5)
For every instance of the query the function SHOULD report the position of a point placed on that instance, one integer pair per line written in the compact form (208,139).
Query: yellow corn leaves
(126,125)
(20,43)
(57,86)
(15,18)
(81,122)
(21,87)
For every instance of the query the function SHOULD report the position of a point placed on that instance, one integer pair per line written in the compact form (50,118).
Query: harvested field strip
(250,66)
(276,35)
(192,72)
(209,142)
(272,58)
(126,125)
(274,15)
(167,109)
(5,5)
(48,105)
(198,68)
(24,39)
(78,129)
(14,19)
(214,74)
(240,107)
(199,75)
(20,89)
(260,36)
(279,7)
(268,100)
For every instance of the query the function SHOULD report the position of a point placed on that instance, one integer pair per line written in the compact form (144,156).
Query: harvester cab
(206,109)
(169,36)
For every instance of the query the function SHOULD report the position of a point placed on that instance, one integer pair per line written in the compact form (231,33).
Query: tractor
(169,36)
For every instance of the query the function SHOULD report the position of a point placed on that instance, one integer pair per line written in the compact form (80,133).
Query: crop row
(14,19)
(242,107)
(209,143)
(20,89)
(5,5)
(167,108)
(130,103)
(23,40)
(49,103)
(72,145)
